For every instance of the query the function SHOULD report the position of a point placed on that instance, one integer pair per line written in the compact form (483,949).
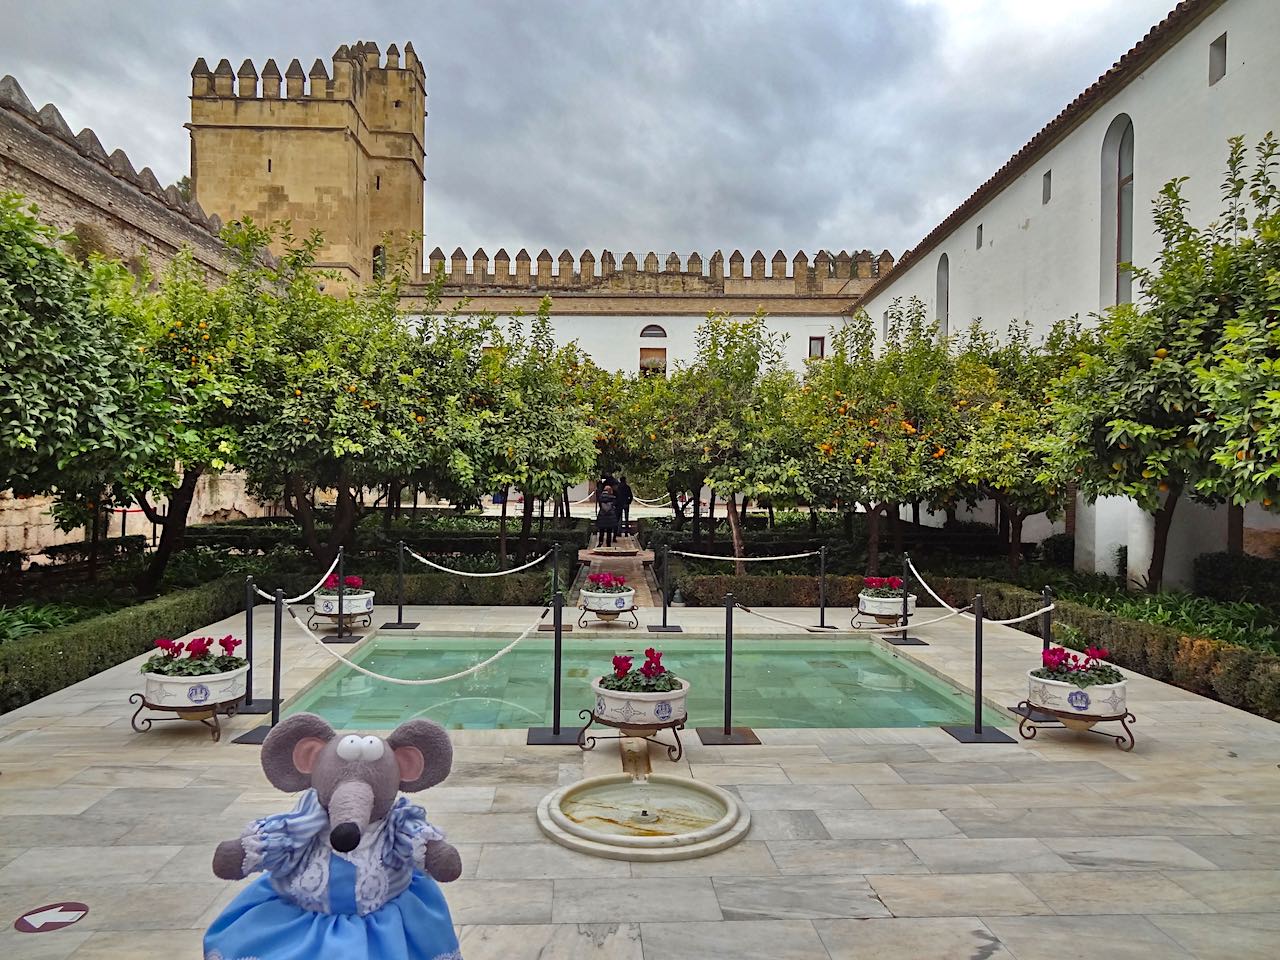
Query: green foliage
(1059,549)
(1230,576)
(27,619)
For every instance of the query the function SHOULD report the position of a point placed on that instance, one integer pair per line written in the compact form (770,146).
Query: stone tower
(343,154)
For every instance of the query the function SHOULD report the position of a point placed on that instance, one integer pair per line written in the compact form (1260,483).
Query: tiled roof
(1158,39)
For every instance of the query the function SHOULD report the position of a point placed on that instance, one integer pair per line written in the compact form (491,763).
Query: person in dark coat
(625,498)
(606,517)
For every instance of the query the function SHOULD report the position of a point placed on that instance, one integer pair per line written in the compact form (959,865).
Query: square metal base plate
(737,737)
(547,737)
(257,708)
(345,638)
(659,628)
(255,736)
(966,734)
(551,628)
(400,625)
(899,641)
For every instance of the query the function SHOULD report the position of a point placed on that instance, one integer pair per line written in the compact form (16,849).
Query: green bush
(36,666)
(1059,549)
(1238,577)
(775,591)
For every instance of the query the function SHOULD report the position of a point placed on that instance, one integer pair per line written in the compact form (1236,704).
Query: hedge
(36,666)
(518,589)
(265,539)
(1238,576)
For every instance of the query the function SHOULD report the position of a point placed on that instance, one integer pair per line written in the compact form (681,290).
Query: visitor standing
(606,517)
(624,504)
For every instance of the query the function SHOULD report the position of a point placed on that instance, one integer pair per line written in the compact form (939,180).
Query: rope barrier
(422,682)
(463,573)
(809,626)
(998,623)
(707,556)
(305,593)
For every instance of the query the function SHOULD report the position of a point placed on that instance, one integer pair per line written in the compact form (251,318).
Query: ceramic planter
(1079,708)
(644,710)
(887,610)
(355,603)
(607,606)
(192,693)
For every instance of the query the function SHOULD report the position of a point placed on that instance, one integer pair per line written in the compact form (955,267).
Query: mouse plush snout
(345,837)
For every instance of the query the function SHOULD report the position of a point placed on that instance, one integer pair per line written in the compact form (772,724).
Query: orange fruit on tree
(1161,353)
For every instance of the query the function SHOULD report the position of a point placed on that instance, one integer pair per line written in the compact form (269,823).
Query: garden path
(632,566)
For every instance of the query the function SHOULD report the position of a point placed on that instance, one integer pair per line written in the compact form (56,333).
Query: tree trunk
(1015,537)
(1235,529)
(813,520)
(847,519)
(542,518)
(735,530)
(894,512)
(742,514)
(873,539)
(771,515)
(94,532)
(173,530)
(951,520)
(697,516)
(526,525)
(1002,523)
(1164,520)
(677,511)
(915,512)
(502,531)
(711,518)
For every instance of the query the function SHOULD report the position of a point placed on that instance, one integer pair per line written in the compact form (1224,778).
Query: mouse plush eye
(371,748)
(350,748)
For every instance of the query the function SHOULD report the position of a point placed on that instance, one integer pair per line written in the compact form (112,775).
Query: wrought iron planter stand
(343,620)
(674,752)
(1027,726)
(206,713)
(584,622)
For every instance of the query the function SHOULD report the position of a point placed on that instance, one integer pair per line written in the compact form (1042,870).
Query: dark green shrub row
(34,667)
(108,549)
(775,591)
(1235,675)
(1059,549)
(1238,576)
(265,539)
(519,589)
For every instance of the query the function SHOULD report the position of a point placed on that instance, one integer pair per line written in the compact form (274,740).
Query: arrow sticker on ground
(52,916)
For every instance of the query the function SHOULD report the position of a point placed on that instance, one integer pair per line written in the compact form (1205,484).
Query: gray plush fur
(354,792)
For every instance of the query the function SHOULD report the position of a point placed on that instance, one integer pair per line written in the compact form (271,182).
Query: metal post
(822,586)
(553,735)
(342,586)
(666,592)
(259,734)
(1046,618)
(250,705)
(977,733)
(124,523)
(555,568)
(400,622)
(729,735)
(905,640)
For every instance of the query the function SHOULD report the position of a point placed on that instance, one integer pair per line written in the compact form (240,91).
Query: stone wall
(79,188)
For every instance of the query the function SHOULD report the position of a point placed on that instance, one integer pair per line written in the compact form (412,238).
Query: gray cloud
(633,126)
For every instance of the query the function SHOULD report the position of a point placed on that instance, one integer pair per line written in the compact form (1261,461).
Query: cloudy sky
(632,124)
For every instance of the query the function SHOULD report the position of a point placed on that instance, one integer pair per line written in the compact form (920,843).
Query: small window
(1217,59)
(884,324)
(268,164)
(653,330)
(1046,186)
(817,348)
(395,103)
(653,361)
(979,244)
(942,307)
(377,183)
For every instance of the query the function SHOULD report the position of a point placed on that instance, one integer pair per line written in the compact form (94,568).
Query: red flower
(653,663)
(331,582)
(168,646)
(894,583)
(621,666)
(198,647)
(1096,653)
(229,644)
(354,583)
(1054,658)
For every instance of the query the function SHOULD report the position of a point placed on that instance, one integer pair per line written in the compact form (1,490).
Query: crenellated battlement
(605,283)
(826,273)
(343,78)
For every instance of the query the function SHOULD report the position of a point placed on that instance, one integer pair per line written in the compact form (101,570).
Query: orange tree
(1002,413)
(1166,402)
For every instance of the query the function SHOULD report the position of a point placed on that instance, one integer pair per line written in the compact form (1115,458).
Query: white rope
(660,502)
(804,626)
(707,556)
(998,623)
(305,593)
(416,683)
(464,573)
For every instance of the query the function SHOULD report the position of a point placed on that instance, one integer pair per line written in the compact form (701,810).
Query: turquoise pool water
(806,682)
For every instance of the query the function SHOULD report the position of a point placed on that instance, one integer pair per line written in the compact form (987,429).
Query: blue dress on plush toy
(314,903)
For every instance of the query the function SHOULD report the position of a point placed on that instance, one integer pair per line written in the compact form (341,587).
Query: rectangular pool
(792,682)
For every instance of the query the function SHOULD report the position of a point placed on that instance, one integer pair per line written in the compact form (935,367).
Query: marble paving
(895,844)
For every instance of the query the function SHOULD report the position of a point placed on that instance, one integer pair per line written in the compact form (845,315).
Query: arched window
(379,262)
(1117,212)
(653,330)
(942,300)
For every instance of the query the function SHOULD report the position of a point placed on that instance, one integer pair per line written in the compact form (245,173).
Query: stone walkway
(889,844)
(631,562)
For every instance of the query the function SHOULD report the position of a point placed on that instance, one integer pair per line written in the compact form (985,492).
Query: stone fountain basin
(601,816)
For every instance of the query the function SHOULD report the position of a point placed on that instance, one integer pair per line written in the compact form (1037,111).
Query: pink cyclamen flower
(331,582)
(229,644)
(621,666)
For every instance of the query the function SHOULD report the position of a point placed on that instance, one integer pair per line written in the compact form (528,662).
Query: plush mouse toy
(351,873)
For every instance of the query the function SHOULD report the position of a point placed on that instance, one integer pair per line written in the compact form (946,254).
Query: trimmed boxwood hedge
(1238,576)
(36,666)
(264,539)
